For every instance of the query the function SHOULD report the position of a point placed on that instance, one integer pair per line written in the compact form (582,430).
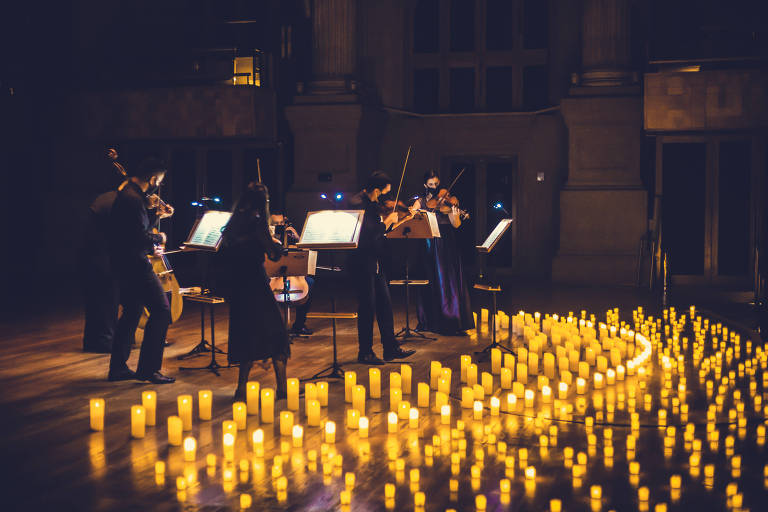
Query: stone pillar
(603,206)
(605,43)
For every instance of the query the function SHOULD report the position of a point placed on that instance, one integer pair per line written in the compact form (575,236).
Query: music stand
(484,249)
(329,230)
(422,226)
(291,264)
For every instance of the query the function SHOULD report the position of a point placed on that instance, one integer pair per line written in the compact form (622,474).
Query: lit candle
(562,391)
(228,446)
(358,399)
(487,383)
(293,394)
(353,418)
(313,413)
(465,361)
(413,418)
(138,421)
(190,449)
(533,363)
(229,426)
(467,397)
(440,400)
(549,365)
(149,401)
(443,385)
(298,436)
(581,386)
(374,382)
(529,396)
(477,410)
(251,397)
(406,374)
(522,373)
(598,380)
(257,439)
(267,405)
(174,430)
(392,422)
(495,406)
(471,374)
(506,378)
(434,373)
(310,393)
(322,393)
(445,415)
(483,315)
(403,409)
(445,373)
(350,380)
(97,414)
(495,361)
(511,402)
(330,432)
(363,427)
(204,404)
(423,394)
(395,395)
(245,501)
(286,423)
(184,403)
(239,414)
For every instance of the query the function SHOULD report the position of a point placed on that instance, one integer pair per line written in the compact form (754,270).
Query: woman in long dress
(444,305)
(256,328)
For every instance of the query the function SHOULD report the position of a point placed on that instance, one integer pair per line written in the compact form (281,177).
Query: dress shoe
(397,353)
(369,358)
(302,331)
(124,374)
(157,378)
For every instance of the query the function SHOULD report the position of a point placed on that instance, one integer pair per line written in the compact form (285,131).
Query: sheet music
(208,231)
(499,230)
(331,227)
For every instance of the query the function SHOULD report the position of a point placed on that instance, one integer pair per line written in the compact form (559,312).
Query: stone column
(605,43)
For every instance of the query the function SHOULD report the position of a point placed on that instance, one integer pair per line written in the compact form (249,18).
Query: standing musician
(286,233)
(131,239)
(444,306)
(370,282)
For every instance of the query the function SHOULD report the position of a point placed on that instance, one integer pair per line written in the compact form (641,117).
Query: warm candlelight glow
(190,449)
(330,432)
(97,414)
(184,403)
(239,414)
(267,405)
(138,421)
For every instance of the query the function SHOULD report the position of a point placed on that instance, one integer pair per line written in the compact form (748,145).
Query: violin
(293,289)
(388,205)
(444,202)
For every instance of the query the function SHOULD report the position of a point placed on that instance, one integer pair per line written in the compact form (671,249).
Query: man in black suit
(368,273)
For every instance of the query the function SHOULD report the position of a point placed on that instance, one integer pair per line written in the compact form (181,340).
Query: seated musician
(288,236)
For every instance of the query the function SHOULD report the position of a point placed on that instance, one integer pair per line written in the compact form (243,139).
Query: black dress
(256,328)
(444,305)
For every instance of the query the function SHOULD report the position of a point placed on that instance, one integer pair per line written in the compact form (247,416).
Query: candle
(467,397)
(443,385)
(229,426)
(395,395)
(174,430)
(598,380)
(413,418)
(445,415)
(511,402)
(562,391)
(362,426)
(293,394)
(581,386)
(423,394)
(471,374)
(440,400)
(184,403)
(298,436)
(528,397)
(228,445)
(506,378)
(403,409)
(533,363)
(251,397)
(487,383)
(445,373)
(406,374)
(477,410)
(374,382)
(190,449)
(522,373)
(239,414)
(313,413)
(350,380)
(549,365)
(495,406)
(149,402)
(434,373)
(205,404)
(97,414)
(267,405)
(322,393)
(392,423)
(353,418)
(138,421)
(257,439)
(464,362)
(495,361)
(479,392)
(310,393)
(358,399)
(330,432)
(286,423)
(245,501)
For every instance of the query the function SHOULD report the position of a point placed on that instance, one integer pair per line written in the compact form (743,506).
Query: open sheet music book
(207,232)
(331,229)
(495,236)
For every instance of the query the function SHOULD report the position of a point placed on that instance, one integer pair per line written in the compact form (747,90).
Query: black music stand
(211,301)
(291,264)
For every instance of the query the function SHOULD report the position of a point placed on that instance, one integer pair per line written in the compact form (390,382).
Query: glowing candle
(245,501)
(445,415)
(529,396)
(423,394)
(251,397)
(374,382)
(581,386)
(467,397)
(487,383)
(555,505)
(298,436)
(350,380)
(406,374)
(149,401)
(434,373)
(267,405)
(506,378)
(395,381)
(598,380)
(293,394)
(495,361)
(495,406)
(483,315)
(190,449)
(174,430)
(395,395)
(477,410)
(403,409)
(257,439)
(363,427)
(413,418)
(389,491)
(228,446)
(471,375)
(465,361)
(643,494)
(204,404)
(511,402)
(322,393)
(330,432)
(533,363)
(138,421)
(562,391)
(530,473)
(239,414)
(313,413)
(286,423)
(97,414)
(392,423)
(522,373)
(546,394)
(353,418)
(549,365)
(184,403)
(419,499)
(440,400)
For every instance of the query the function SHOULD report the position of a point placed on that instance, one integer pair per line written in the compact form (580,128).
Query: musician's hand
(159,249)
(277,241)
(165,213)
(291,231)
(390,219)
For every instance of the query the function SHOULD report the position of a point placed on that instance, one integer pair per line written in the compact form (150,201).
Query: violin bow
(451,185)
(405,164)
(258,168)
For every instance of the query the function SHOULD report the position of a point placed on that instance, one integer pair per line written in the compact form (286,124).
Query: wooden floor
(53,461)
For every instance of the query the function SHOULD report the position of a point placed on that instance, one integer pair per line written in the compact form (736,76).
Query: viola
(444,202)
(293,289)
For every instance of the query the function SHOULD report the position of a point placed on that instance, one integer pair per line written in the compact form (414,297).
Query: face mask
(431,190)
(152,190)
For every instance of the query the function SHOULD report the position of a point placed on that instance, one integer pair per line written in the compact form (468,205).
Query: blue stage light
(339,196)
(323,196)
(195,203)
(498,206)
(216,199)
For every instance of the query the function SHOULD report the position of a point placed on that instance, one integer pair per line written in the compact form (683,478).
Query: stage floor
(54,461)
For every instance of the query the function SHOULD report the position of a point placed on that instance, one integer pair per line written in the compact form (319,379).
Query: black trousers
(100,294)
(373,296)
(141,289)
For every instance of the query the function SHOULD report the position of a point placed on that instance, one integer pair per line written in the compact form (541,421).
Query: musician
(131,239)
(368,274)
(444,306)
(288,236)
(256,328)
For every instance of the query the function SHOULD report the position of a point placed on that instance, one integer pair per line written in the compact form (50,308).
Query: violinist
(444,306)
(370,282)
(288,236)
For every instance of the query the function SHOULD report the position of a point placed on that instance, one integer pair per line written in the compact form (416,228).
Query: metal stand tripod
(203,346)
